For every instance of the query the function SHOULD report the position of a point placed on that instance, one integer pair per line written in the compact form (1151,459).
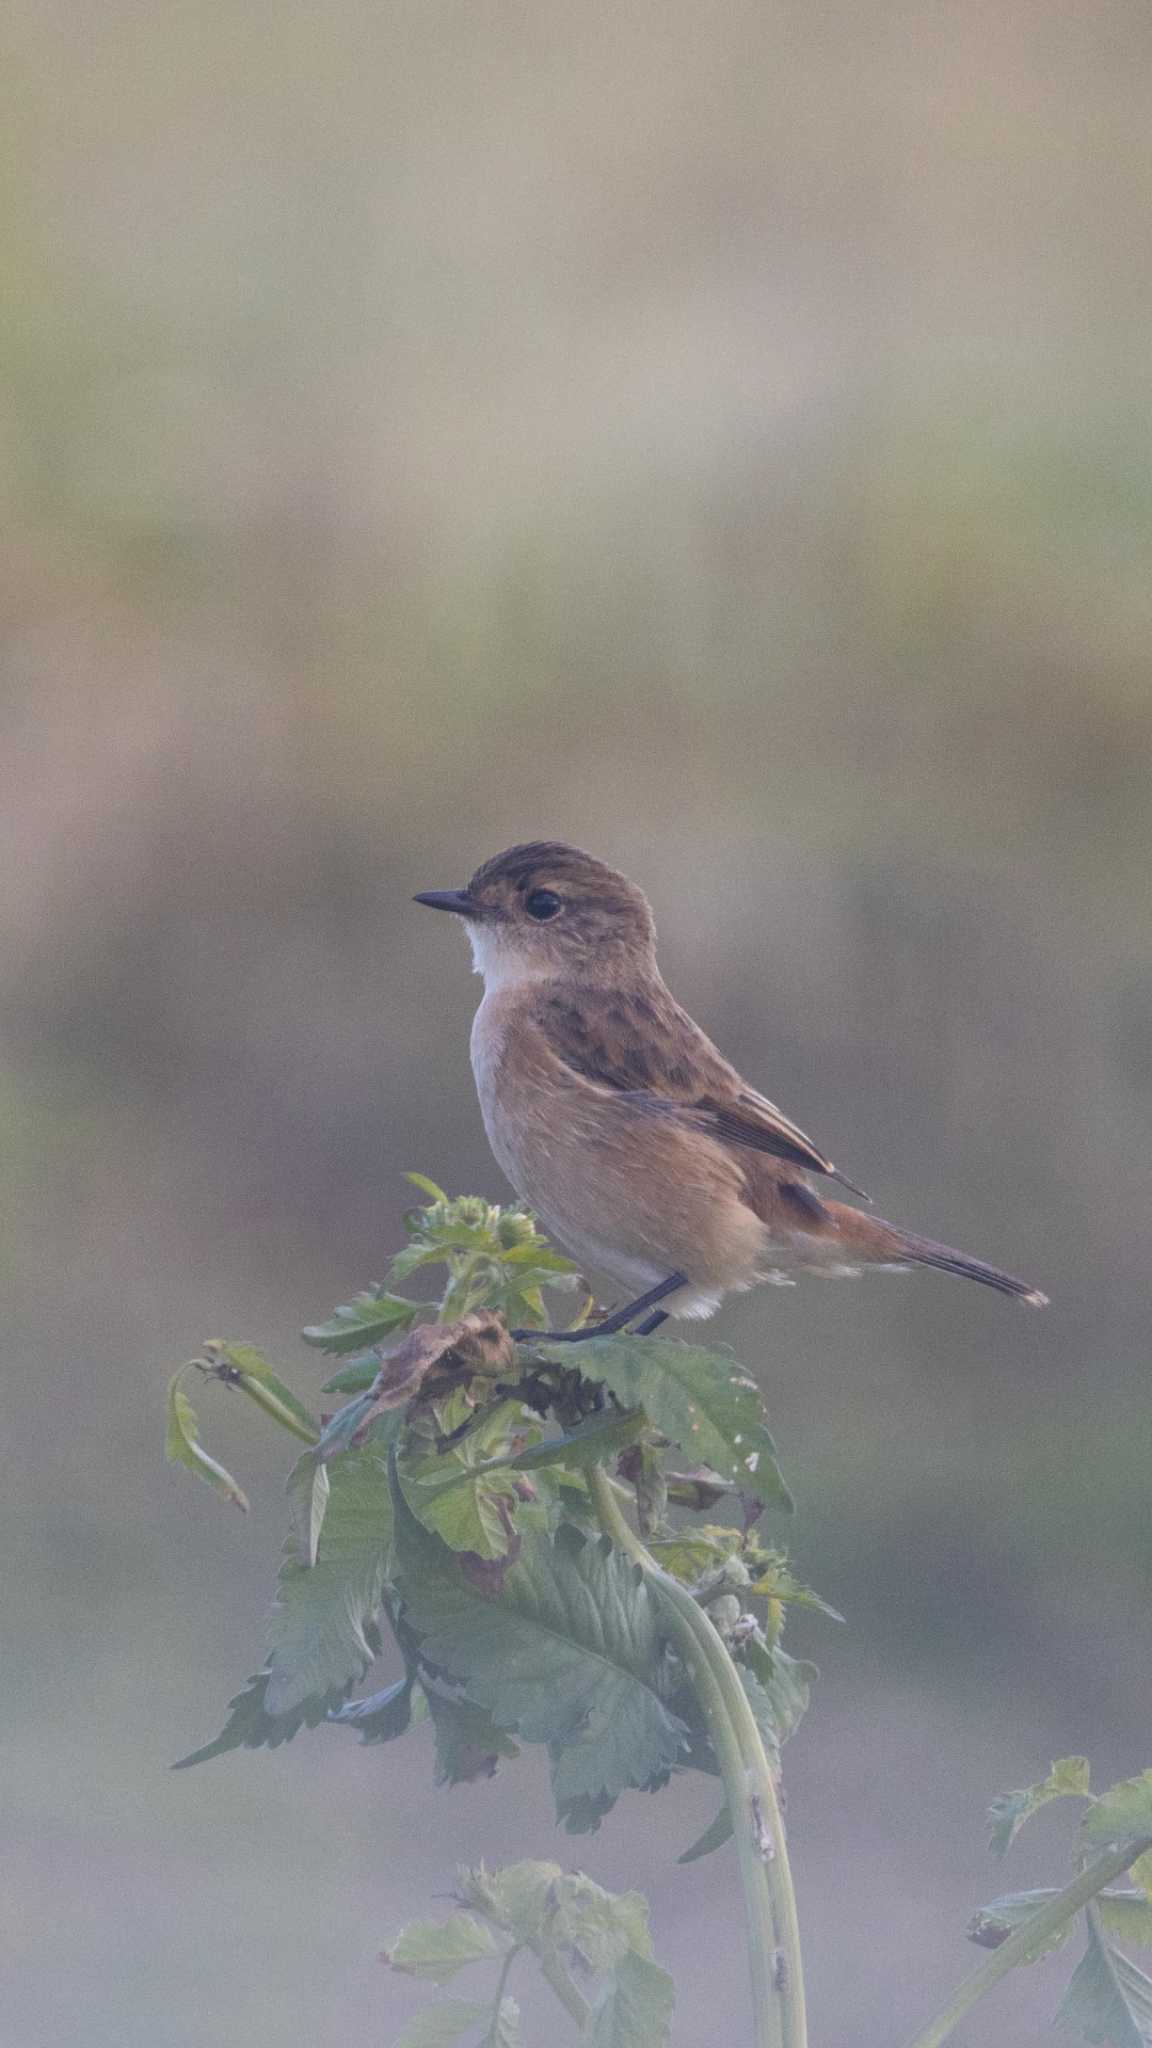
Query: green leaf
(691,1552)
(572,1653)
(347,1423)
(504,2031)
(538,1255)
(382,1716)
(367,1319)
(603,1927)
(520,1898)
(701,1399)
(590,1444)
(775,1580)
(468,1743)
(252,1366)
(439,2025)
(1122,1813)
(323,1630)
(309,1491)
(356,1376)
(635,2008)
(436,1949)
(1125,1912)
(249,1727)
(451,1491)
(778,1688)
(714,1836)
(473,1514)
(1068,1779)
(1001,1917)
(1109,2000)
(182,1446)
(426,1186)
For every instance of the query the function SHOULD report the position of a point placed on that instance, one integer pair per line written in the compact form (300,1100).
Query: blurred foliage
(719,437)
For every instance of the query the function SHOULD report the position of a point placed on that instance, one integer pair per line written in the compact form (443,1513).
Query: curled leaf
(477,1344)
(182,1446)
(1067,1779)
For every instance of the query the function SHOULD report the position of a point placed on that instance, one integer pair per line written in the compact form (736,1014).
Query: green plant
(528,1522)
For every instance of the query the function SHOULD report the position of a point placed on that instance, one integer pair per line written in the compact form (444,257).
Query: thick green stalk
(769,1900)
(1047,1920)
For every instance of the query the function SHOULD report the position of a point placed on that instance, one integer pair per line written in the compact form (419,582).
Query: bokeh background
(719,435)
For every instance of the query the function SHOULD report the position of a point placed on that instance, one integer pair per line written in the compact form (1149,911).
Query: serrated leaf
(475,1514)
(435,1949)
(1122,1813)
(635,2008)
(182,1446)
(248,1726)
(469,1745)
(572,1653)
(367,1319)
(381,1716)
(323,1630)
(701,1399)
(778,1688)
(520,1898)
(714,1836)
(536,1254)
(439,2025)
(1067,1779)
(777,1581)
(463,1494)
(1109,2000)
(601,1926)
(426,1253)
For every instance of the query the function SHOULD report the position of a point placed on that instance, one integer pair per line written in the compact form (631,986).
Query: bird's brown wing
(646,1046)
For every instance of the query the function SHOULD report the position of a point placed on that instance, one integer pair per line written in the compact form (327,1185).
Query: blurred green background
(719,435)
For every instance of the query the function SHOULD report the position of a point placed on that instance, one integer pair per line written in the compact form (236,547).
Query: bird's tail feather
(923,1251)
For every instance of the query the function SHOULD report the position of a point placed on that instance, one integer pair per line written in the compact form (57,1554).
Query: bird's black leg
(650,1323)
(608,1325)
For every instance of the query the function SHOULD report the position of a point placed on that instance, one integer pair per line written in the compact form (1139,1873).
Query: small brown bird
(623,1127)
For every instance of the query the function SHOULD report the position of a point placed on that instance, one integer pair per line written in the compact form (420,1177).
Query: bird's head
(547,911)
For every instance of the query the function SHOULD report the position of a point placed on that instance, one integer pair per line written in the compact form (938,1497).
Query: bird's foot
(618,1319)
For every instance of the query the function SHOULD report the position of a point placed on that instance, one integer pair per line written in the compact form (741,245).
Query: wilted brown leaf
(477,1344)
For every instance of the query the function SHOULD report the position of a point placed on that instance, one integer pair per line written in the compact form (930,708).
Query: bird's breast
(502,1082)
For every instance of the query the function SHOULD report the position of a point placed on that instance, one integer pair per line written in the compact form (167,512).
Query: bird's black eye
(543,904)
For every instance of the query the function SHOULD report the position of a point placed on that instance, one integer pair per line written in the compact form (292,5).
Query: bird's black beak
(457,900)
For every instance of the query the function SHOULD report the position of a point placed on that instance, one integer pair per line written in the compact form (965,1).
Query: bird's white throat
(503,962)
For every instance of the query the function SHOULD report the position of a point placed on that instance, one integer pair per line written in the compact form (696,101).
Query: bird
(624,1129)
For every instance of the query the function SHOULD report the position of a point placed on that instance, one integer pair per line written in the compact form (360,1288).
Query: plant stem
(1047,1920)
(498,2001)
(769,1900)
(457,1296)
(571,1998)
